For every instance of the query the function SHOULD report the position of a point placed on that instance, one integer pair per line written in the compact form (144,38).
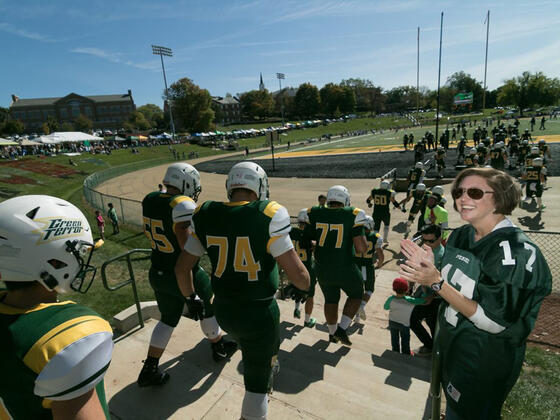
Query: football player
(382,198)
(498,156)
(305,254)
(337,231)
(472,159)
(535,177)
(420,198)
(415,176)
(533,154)
(166,219)
(245,238)
(365,262)
(435,214)
(440,161)
(545,151)
(54,354)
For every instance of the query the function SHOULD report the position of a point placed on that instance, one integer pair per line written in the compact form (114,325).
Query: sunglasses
(474,193)
(430,241)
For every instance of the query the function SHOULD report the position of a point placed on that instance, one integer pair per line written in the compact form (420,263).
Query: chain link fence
(128,211)
(546,330)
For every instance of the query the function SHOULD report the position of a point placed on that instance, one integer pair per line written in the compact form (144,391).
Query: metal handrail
(435,384)
(131,280)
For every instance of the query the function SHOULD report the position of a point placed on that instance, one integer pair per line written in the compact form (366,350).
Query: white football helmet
(185,178)
(535,150)
(419,165)
(542,141)
(438,189)
(339,194)
(538,162)
(385,185)
(302,216)
(369,223)
(250,176)
(45,239)
(472,152)
(421,187)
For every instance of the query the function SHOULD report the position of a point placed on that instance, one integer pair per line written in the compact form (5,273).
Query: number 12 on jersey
(243,259)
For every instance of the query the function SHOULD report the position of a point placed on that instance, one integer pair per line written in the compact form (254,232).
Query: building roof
(51,101)
(227,100)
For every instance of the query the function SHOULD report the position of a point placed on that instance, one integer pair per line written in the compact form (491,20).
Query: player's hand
(292,292)
(369,205)
(195,307)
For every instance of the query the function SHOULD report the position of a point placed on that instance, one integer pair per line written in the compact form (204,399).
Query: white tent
(67,136)
(5,142)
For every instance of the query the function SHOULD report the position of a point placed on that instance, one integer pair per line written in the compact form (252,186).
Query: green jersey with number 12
(506,274)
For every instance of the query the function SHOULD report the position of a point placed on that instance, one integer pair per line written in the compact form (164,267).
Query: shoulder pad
(183,210)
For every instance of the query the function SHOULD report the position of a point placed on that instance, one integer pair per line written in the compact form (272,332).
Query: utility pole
(418,74)
(161,51)
(280,77)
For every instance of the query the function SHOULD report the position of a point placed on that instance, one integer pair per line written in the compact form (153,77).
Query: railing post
(135,292)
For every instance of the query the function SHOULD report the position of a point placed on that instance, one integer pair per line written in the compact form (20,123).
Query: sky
(96,47)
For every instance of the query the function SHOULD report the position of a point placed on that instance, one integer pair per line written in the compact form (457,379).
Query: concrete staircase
(317,379)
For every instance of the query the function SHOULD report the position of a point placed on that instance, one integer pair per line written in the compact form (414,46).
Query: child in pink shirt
(100,224)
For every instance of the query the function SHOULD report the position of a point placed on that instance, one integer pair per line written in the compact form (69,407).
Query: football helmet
(369,223)
(421,187)
(385,185)
(525,142)
(472,152)
(250,176)
(185,178)
(542,141)
(419,165)
(538,162)
(45,239)
(339,194)
(302,216)
(535,150)
(438,190)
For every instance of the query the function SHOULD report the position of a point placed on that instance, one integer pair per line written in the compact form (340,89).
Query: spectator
(112,214)
(431,237)
(542,127)
(100,224)
(400,307)
(322,199)
(161,188)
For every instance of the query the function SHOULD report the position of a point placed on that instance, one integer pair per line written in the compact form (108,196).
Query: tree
(82,123)
(11,127)
(461,82)
(335,97)
(368,96)
(4,113)
(400,99)
(138,121)
(307,101)
(528,90)
(153,114)
(256,104)
(52,124)
(191,106)
(67,126)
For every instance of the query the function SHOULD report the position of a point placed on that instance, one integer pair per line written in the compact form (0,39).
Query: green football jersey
(304,250)
(237,237)
(374,241)
(160,211)
(420,199)
(381,202)
(32,338)
(533,175)
(508,277)
(415,175)
(333,229)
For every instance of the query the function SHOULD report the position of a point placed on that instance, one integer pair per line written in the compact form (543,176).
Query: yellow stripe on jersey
(197,208)
(271,209)
(235,203)
(356,211)
(10,310)
(270,242)
(4,414)
(179,199)
(60,337)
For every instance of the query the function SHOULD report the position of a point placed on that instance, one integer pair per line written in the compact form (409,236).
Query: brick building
(105,111)
(228,109)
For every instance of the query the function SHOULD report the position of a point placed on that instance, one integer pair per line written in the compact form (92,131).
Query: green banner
(463,98)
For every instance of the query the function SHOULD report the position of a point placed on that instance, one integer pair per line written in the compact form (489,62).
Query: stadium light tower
(161,51)
(280,77)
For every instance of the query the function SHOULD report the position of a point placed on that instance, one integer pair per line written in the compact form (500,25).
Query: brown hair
(507,194)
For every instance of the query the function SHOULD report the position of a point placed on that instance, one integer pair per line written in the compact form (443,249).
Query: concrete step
(317,379)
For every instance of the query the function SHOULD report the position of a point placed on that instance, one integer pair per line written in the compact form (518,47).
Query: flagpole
(438,80)
(486,61)
(418,74)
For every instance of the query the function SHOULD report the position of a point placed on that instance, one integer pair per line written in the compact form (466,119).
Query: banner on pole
(463,98)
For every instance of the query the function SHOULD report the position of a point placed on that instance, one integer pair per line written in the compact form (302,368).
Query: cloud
(14,30)
(115,58)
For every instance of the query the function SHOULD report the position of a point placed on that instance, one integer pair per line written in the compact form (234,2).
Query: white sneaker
(362,313)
